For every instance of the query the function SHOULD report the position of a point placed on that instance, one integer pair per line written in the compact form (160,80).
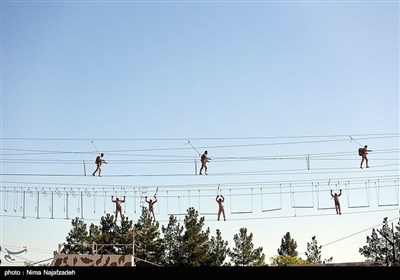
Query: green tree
(148,249)
(77,238)
(172,243)
(244,254)
(218,250)
(397,243)
(379,248)
(107,230)
(288,246)
(195,241)
(124,236)
(313,253)
(281,260)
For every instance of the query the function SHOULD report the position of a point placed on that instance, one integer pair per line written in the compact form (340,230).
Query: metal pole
(23,213)
(37,206)
(394,248)
(52,205)
(66,205)
(133,248)
(81,205)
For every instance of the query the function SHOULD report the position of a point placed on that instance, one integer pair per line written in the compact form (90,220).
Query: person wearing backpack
(363,152)
(204,160)
(99,161)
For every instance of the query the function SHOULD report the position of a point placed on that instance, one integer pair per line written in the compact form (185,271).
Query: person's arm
(112,198)
(340,193)
(223,198)
(216,199)
(155,200)
(332,194)
(123,200)
(145,199)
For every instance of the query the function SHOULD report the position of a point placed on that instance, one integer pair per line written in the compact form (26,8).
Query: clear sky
(280,93)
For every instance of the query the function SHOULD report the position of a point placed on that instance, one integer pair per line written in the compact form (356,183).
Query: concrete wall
(91,260)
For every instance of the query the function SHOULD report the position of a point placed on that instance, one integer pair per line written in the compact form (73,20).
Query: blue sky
(261,85)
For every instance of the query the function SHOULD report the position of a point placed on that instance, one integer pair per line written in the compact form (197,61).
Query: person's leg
(362,161)
(219,214)
(223,213)
(366,162)
(201,168)
(99,171)
(340,212)
(205,169)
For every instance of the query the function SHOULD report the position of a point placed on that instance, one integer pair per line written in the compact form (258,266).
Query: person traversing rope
(118,206)
(337,203)
(99,161)
(220,200)
(151,203)
(204,160)
(363,152)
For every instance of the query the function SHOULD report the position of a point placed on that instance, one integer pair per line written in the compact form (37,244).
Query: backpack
(97,160)
(360,151)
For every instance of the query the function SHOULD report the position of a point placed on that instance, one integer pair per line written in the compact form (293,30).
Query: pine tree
(218,250)
(288,246)
(172,243)
(314,252)
(77,238)
(244,254)
(380,249)
(195,241)
(148,249)
(108,232)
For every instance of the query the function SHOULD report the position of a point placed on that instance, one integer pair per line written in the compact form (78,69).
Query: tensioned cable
(189,159)
(241,173)
(351,235)
(202,147)
(193,138)
(207,193)
(252,183)
(228,219)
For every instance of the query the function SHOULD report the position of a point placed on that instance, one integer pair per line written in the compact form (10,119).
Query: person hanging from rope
(150,211)
(337,203)
(363,152)
(99,161)
(204,160)
(220,200)
(118,206)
